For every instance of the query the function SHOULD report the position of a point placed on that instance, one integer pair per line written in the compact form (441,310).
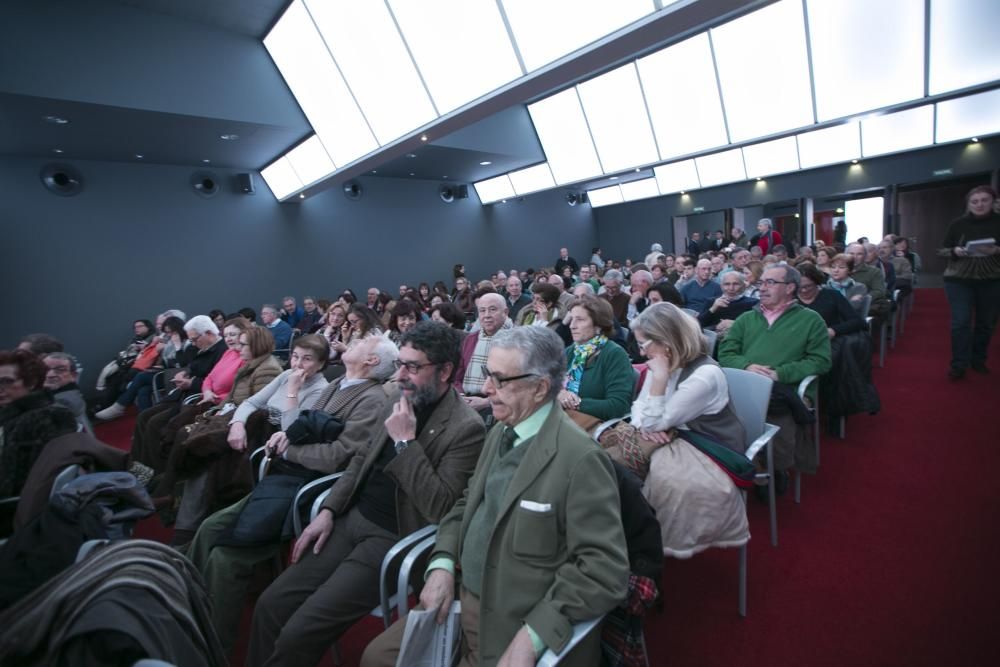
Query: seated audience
(450,314)
(614,295)
(469,376)
(841,267)
(521,595)
(60,381)
(143,333)
(685,272)
(731,304)
(29,418)
(516,298)
(312,316)
(218,316)
(824,257)
(664,292)
(902,269)
(291,312)
(841,319)
(641,281)
(463,297)
(280,329)
(404,317)
(872,278)
(545,310)
(701,293)
(40,343)
(334,330)
(361,321)
(411,475)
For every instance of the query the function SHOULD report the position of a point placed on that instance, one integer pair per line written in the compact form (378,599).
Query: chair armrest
(763,439)
(259,454)
(804,385)
(326,480)
(192,399)
(414,546)
(580,630)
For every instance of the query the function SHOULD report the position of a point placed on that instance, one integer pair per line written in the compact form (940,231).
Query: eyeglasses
(771,282)
(499,381)
(644,344)
(412,367)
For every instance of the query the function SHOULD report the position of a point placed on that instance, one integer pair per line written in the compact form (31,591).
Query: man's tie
(507,440)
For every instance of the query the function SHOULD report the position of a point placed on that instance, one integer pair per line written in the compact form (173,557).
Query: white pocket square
(532,506)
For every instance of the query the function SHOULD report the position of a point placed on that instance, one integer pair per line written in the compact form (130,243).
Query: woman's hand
(569,400)
(960,251)
(208,396)
(659,365)
(830,332)
(295,381)
(659,437)
(237,438)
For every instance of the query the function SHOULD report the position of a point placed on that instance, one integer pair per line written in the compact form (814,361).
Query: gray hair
(201,324)
(387,352)
(173,312)
(792,276)
(586,287)
(642,275)
(870,248)
(542,353)
(270,306)
(615,275)
(738,274)
(289,298)
(766,221)
(656,247)
(64,356)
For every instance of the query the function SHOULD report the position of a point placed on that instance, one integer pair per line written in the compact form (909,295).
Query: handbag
(625,444)
(313,426)
(587,422)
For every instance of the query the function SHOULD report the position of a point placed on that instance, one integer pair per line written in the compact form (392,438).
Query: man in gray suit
(416,468)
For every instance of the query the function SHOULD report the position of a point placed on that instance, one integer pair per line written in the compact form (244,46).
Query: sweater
(273,398)
(836,311)
(971,269)
(220,379)
(608,382)
(795,346)
(700,297)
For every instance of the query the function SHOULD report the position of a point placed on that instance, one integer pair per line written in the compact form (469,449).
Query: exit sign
(698,209)
(943,172)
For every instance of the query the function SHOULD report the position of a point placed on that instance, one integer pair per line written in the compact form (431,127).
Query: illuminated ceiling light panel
(532,179)
(901,131)
(494,189)
(683,98)
(860,65)
(310,161)
(562,131)
(546,31)
(281,178)
(460,46)
(840,143)
(618,121)
(642,189)
(967,117)
(301,56)
(605,196)
(387,87)
(771,157)
(965,50)
(724,167)
(677,177)
(763,70)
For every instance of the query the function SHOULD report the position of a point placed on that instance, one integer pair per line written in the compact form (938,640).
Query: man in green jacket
(537,541)
(786,342)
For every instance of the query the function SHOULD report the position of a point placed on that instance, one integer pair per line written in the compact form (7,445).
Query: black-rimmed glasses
(499,381)
(411,366)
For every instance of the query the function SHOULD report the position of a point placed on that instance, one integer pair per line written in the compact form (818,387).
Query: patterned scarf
(582,352)
(841,286)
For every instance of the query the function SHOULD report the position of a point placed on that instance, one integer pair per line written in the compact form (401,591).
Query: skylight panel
(618,121)
(840,143)
(677,177)
(901,131)
(301,56)
(461,47)
(763,70)
(724,167)
(494,189)
(965,50)
(642,189)
(859,64)
(546,31)
(532,179)
(683,98)
(310,161)
(387,87)
(967,117)
(771,157)
(563,133)
(605,196)
(281,178)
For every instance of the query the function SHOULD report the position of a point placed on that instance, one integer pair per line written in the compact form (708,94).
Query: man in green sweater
(784,341)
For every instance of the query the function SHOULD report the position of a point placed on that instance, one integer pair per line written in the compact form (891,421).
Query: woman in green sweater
(600,380)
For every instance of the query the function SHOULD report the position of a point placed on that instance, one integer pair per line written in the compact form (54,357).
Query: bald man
(469,378)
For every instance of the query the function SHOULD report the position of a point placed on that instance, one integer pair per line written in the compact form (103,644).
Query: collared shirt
(772,315)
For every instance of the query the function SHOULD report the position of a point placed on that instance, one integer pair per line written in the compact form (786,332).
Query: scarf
(841,286)
(582,352)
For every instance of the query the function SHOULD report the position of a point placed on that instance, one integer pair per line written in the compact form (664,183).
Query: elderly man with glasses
(60,380)
(537,543)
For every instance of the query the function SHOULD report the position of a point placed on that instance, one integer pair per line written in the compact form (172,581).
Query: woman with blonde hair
(685,433)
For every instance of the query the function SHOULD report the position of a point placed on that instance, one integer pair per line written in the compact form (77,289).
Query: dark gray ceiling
(252,18)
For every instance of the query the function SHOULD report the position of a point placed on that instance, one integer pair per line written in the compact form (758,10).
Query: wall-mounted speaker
(353,190)
(245,183)
(61,179)
(574,198)
(449,192)
(205,183)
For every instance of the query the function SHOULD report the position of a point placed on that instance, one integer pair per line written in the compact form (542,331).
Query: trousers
(974,309)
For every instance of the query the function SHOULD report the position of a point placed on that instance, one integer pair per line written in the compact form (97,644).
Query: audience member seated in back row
(841,267)
(405,314)
(114,372)
(614,295)
(516,298)
(280,329)
(225,550)
(60,381)
(311,318)
(700,293)
(415,469)
(291,312)
(537,542)
(469,377)
(545,310)
(724,310)
(785,342)
(40,343)
(872,278)
(29,418)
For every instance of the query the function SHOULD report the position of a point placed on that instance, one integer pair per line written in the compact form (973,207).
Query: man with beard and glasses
(415,469)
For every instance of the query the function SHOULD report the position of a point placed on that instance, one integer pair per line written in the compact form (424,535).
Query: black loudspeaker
(353,190)
(205,183)
(245,183)
(450,192)
(61,179)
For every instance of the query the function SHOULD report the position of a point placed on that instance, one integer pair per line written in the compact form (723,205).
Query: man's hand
(439,593)
(830,332)
(520,652)
(237,438)
(182,381)
(635,297)
(318,531)
(766,371)
(476,402)
(402,423)
(719,303)
(276,444)
(960,251)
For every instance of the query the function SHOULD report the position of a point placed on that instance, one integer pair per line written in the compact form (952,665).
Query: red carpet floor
(887,561)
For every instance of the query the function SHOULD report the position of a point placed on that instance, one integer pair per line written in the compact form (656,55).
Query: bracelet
(290,396)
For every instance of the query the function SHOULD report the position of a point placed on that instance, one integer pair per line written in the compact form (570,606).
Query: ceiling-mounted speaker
(574,198)
(353,190)
(61,179)
(205,183)
(449,192)
(245,183)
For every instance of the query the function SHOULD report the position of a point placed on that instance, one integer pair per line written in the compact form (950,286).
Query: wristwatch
(401,446)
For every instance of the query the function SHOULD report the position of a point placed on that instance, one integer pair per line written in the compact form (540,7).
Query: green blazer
(557,553)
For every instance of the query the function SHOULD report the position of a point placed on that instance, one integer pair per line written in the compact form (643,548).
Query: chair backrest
(711,337)
(692,313)
(865,306)
(750,394)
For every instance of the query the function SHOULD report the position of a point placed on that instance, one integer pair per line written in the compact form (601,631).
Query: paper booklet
(427,644)
(975,248)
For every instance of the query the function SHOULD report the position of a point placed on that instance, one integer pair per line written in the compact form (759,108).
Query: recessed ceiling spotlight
(56,120)
(206,161)
(758,178)
(854,161)
(614,178)
(503,201)
(57,150)
(445,177)
(138,156)
(683,193)
(796,215)
(839,210)
(423,137)
(411,155)
(412,174)
(975,140)
(302,195)
(229,137)
(484,163)
(637,170)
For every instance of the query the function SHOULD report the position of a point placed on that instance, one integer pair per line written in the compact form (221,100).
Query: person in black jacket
(564,261)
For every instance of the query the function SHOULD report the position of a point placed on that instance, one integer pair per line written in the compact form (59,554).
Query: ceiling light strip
(590,133)
(409,52)
(645,105)
(809,59)
(718,87)
(510,36)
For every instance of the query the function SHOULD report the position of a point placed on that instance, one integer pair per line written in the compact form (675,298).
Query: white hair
(656,247)
(201,324)
(173,312)
(766,221)
(387,352)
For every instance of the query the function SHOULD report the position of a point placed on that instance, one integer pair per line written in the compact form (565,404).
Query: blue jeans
(972,301)
(139,391)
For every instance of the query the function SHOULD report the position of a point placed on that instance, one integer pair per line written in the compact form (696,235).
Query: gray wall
(627,230)
(138,240)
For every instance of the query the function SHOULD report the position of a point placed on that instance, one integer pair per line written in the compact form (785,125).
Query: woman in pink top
(219,381)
